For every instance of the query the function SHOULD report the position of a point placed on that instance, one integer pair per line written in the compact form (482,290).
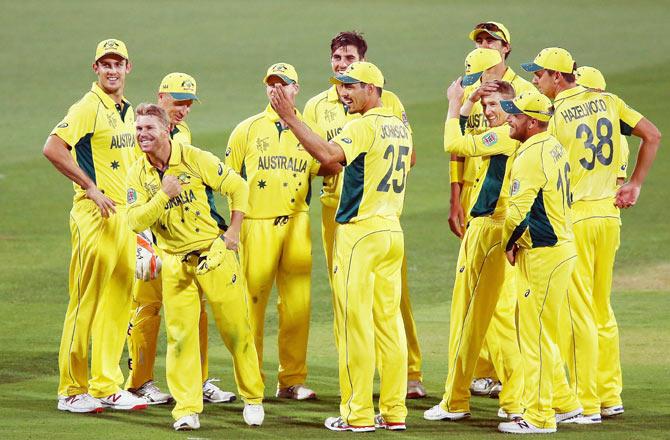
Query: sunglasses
(491,27)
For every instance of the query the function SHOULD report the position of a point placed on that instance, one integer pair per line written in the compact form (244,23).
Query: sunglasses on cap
(491,27)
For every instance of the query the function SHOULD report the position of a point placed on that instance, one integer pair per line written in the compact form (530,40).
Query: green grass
(227,46)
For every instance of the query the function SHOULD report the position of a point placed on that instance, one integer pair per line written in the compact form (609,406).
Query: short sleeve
(79,121)
(355,138)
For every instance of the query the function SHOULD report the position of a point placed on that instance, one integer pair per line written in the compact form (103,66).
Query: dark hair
(488,26)
(145,109)
(568,77)
(349,38)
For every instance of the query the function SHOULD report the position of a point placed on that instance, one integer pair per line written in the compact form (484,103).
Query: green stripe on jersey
(352,190)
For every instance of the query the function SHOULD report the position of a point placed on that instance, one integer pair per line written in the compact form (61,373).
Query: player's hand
(282,103)
(456,219)
(511,254)
(213,258)
(105,204)
(170,185)
(147,264)
(232,239)
(483,90)
(455,91)
(627,195)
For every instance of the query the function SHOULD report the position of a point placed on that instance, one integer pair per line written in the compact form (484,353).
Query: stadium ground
(47,50)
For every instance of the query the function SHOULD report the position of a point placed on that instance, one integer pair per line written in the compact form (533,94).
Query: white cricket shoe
(253,414)
(582,419)
(512,416)
(611,411)
(564,417)
(152,394)
(213,394)
(80,403)
(187,423)
(381,423)
(337,424)
(482,386)
(523,427)
(495,391)
(124,400)
(437,413)
(415,390)
(297,392)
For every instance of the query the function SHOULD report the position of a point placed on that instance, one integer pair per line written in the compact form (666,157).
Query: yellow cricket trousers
(101,278)
(590,344)
(143,332)
(366,277)
(280,249)
(226,292)
(480,274)
(503,345)
(544,275)
(328,226)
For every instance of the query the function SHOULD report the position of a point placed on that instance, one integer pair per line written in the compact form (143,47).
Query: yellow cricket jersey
(181,133)
(378,148)
(101,135)
(330,114)
(538,214)
(590,124)
(494,147)
(187,222)
(477,122)
(625,153)
(274,163)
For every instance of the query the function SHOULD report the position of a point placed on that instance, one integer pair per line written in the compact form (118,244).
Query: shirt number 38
(396,157)
(598,150)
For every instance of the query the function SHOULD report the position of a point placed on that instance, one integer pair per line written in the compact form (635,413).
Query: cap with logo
(590,77)
(360,72)
(477,62)
(531,103)
(284,71)
(179,85)
(111,46)
(551,58)
(494,29)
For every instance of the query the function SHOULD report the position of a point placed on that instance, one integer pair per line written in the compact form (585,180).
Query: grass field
(47,50)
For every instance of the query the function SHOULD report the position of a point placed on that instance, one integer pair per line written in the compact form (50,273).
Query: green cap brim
(184,96)
(471,78)
(531,67)
(284,78)
(344,79)
(509,107)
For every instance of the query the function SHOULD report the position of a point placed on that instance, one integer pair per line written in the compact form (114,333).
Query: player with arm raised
(94,146)
(330,114)
(176,94)
(589,124)
(368,254)
(168,191)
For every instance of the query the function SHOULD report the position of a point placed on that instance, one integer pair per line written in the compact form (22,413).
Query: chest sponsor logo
(262,144)
(131,196)
(123,140)
(282,163)
(490,139)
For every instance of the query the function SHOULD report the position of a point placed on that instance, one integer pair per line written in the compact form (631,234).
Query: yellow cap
(360,72)
(477,62)
(111,45)
(590,77)
(285,71)
(179,85)
(551,58)
(531,103)
(494,29)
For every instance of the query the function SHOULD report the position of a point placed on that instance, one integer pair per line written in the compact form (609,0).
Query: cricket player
(480,271)
(590,124)
(276,241)
(327,111)
(168,190)
(176,94)
(537,236)
(94,146)
(369,247)
(487,35)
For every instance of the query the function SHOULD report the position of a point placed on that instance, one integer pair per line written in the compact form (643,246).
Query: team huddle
(536,191)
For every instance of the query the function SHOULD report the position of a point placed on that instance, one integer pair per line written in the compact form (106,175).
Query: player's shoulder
(136,169)
(388,98)
(87,103)
(249,123)
(317,99)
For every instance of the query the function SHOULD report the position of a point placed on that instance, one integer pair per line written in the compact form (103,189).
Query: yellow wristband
(456,171)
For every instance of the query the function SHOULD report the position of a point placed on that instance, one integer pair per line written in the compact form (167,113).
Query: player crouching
(167,192)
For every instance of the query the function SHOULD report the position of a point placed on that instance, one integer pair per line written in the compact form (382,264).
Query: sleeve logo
(228,151)
(515,187)
(346,140)
(220,170)
(63,125)
(131,196)
(490,139)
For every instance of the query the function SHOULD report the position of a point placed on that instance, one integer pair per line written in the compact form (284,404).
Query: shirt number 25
(396,159)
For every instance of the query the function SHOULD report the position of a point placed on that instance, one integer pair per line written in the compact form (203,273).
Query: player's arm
(628,193)
(236,148)
(144,211)
(323,151)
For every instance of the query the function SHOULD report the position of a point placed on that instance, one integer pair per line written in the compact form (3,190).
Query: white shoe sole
(564,417)
(80,410)
(229,400)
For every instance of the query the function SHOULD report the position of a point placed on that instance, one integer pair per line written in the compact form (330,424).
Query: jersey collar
(565,94)
(381,111)
(105,98)
(509,75)
(272,115)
